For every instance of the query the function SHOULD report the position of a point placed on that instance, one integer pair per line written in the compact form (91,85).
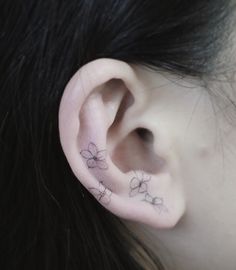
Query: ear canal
(136,152)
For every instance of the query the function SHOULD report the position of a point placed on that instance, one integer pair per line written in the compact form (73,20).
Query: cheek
(210,185)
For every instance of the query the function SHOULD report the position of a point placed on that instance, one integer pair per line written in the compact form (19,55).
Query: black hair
(48,220)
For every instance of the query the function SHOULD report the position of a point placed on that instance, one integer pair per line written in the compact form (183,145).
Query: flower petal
(101,164)
(86,154)
(101,187)
(96,193)
(101,155)
(148,198)
(91,163)
(105,199)
(93,149)
(134,183)
(143,188)
(139,174)
(158,201)
(108,192)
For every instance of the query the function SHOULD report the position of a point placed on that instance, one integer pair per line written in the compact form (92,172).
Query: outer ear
(100,113)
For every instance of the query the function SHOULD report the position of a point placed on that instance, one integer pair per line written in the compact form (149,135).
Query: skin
(204,140)
(190,154)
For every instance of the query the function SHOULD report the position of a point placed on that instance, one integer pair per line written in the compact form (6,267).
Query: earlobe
(91,108)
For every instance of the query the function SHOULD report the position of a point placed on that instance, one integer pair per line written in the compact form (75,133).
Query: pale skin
(205,142)
(190,155)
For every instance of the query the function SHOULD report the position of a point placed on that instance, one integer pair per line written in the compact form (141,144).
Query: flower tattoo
(101,193)
(157,202)
(95,158)
(138,184)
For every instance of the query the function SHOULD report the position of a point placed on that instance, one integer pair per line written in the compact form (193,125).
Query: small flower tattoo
(138,184)
(157,202)
(102,193)
(95,158)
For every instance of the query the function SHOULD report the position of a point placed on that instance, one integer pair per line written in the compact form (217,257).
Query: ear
(110,149)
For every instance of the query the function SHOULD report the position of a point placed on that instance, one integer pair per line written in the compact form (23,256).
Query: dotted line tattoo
(95,158)
(101,193)
(139,185)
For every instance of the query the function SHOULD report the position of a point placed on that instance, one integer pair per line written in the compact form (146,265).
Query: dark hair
(48,220)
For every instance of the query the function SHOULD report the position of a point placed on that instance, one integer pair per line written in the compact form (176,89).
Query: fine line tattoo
(138,184)
(157,202)
(101,193)
(95,158)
